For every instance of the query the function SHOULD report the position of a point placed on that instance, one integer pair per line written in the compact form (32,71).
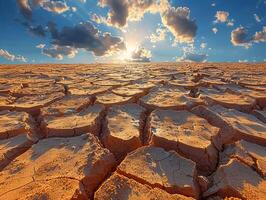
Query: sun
(127,54)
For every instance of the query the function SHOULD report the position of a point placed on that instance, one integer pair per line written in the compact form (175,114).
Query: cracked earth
(133,131)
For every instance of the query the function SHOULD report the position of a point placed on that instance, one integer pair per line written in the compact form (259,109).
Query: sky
(89,31)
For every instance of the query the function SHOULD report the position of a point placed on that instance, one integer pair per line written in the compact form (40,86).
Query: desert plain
(135,131)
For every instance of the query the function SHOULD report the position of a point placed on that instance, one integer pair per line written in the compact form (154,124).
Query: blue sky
(125,30)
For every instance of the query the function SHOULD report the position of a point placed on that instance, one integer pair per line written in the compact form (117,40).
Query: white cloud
(141,55)
(203,45)
(240,37)
(59,52)
(159,35)
(5,54)
(257,18)
(178,21)
(230,23)
(221,16)
(40,46)
(214,30)
(54,6)
(122,11)
(192,57)
(74,9)
(260,36)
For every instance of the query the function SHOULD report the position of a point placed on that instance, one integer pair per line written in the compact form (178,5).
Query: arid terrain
(155,131)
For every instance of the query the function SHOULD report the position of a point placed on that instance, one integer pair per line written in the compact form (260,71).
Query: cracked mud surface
(133,131)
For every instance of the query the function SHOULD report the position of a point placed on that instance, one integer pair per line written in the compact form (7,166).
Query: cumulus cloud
(230,23)
(223,17)
(141,55)
(139,7)
(5,54)
(260,36)
(192,57)
(203,45)
(178,21)
(159,35)
(86,36)
(40,46)
(122,11)
(25,8)
(118,13)
(243,61)
(74,9)
(257,18)
(38,30)
(56,6)
(240,37)
(99,19)
(214,30)
(59,52)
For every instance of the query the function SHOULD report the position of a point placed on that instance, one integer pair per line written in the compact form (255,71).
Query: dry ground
(133,131)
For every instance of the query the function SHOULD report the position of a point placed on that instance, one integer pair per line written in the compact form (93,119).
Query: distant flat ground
(133,131)
(225,65)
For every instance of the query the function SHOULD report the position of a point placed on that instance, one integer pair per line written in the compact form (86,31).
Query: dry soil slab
(236,101)
(142,84)
(261,115)
(238,180)
(87,89)
(13,123)
(5,101)
(169,98)
(234,125)
(161,169)
(212,81)
(88,120)
(110,82)
(68,105)
(186,133)
(183,80)
(38,89)
(123,128)
(57,167)
(12,147)
(30,104)
(251,154)
(123,188)
(129,91)
(6,88)
(58,188)
(259,96)
(109,99)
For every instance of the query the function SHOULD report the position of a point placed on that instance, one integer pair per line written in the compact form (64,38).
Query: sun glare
(127,54)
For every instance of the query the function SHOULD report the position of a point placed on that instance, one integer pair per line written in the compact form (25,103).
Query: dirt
(133,131)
